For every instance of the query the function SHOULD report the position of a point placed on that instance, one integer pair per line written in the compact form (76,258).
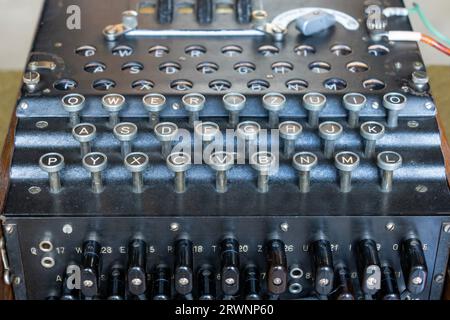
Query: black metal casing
(418,206)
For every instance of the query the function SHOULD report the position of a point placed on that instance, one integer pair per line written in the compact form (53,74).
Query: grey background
(19,19)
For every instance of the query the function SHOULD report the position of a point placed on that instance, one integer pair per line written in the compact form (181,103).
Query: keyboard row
(234,104)
(265,163)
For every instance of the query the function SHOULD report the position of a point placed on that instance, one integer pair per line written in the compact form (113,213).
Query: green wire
(417,9)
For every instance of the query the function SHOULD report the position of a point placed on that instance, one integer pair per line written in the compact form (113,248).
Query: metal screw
(67,228)
(413,124)
(284,227)
(324,282)
(34,190)
(174,227)
(390,226)
(58,44)
(447,228)
(277,281)
(41,124)
(371,281)
(88,283)
(421,188)
(183,281)
(136,282)
(17,281)
(418,65)
(429,105)
(9,228)
(229,281)
(375,105)
(398,65)
(24,106)
(417,280)
(439,278)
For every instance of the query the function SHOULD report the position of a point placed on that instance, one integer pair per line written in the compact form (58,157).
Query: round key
(354,103)
(314,104)
(193,103)
(113,103)
(330,132)
(125,132)
(248,131)
(52,163)
(84,133)
(96,163)
(394,102)
(371,132)
(166,133)
(73,103)
(179,163)
(136,163)
(346,162)
(207,131)
(265,163)
(274,103)
(289,132)
(304,162)
(221,162)
(388,162)
(154,103)
(234,103)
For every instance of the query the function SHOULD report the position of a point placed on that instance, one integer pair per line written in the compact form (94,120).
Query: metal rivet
(439,278)
(47,90)
(421,188)
(24,106)
(429,105)
(447,228)
(375,105)
(17,281)
(413,124)
(174,227)
(58,44)
(390,226)
(175,106)
(34,190)
(41,124)
(67,228)
(284,227)
(418,65)
(9,228)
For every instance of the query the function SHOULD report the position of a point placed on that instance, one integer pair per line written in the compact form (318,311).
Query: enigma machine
(229,150)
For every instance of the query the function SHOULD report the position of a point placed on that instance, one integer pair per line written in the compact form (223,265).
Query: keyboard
(229,150)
